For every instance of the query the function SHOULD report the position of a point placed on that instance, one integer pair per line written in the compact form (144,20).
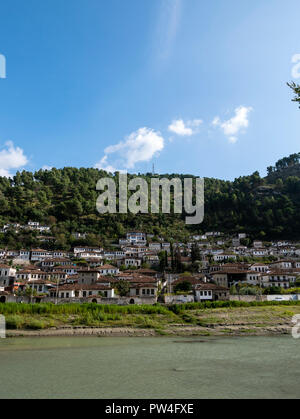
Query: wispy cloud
(140,146)
(167,28)
(11,158)
(184,129)
(103,165)
(235,125)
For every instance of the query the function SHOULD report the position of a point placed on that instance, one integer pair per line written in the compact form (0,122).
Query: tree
(248,291)
(177,261)
(172,257)
(30,292)
(297,282)
(273,290)
(183,286)
(296,89)
(233,290)
(195,253)
(123,288)
(163,261)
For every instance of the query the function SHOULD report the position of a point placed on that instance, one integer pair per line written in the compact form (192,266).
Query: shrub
(14,322)
(35,324)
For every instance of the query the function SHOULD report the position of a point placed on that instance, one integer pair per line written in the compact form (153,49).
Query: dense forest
(265,208)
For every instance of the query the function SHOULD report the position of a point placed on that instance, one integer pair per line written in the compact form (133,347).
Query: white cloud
(103,165)
(11,158)
(216,121)
(179,128)
(47,167)
(184,129)
(140,146)
(235,125)
(167,28)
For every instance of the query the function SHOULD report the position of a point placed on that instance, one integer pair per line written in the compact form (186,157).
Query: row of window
(206,293)
(147,291)
(84,294)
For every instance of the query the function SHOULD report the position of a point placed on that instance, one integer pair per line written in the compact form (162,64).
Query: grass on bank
(158,317)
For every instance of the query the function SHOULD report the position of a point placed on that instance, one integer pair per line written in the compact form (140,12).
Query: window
(84,293)
(62,295)
(67,295)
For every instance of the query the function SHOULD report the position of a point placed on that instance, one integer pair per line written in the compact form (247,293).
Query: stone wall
(250,298)
(178,299)
(247,298)
(116,301)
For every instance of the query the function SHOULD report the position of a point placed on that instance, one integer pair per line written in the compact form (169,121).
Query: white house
(37,255)
(282,264)
(143,290)
(135,237)
(88,276)
(89,255)
(129,262)
(259,252)
(155,246)
(24,254)
(85,249)
(280,279)
(257,244)
(223,257)
(108,270)
(83,291)
(6,273)
(259,267)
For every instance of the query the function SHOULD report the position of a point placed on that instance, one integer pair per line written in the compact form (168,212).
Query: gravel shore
(226,330)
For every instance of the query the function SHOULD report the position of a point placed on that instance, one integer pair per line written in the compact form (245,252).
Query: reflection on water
(83,367)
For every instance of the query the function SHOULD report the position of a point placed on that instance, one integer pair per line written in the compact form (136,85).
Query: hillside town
(143,269)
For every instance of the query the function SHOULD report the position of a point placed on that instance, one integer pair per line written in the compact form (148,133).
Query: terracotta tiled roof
(107,267)
(81,287)
(209,286)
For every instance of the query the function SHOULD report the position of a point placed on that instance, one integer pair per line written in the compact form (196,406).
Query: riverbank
(180,331)
(229,321)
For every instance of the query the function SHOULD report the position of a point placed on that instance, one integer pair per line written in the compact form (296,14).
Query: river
(162,367)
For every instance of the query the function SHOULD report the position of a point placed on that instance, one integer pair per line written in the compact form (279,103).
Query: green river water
(163,367)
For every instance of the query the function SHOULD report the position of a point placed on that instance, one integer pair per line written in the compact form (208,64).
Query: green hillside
(66,200)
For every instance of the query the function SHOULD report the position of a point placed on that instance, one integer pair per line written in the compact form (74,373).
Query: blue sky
(192,86)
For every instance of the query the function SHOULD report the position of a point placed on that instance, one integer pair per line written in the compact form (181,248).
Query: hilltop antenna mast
(153,169)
